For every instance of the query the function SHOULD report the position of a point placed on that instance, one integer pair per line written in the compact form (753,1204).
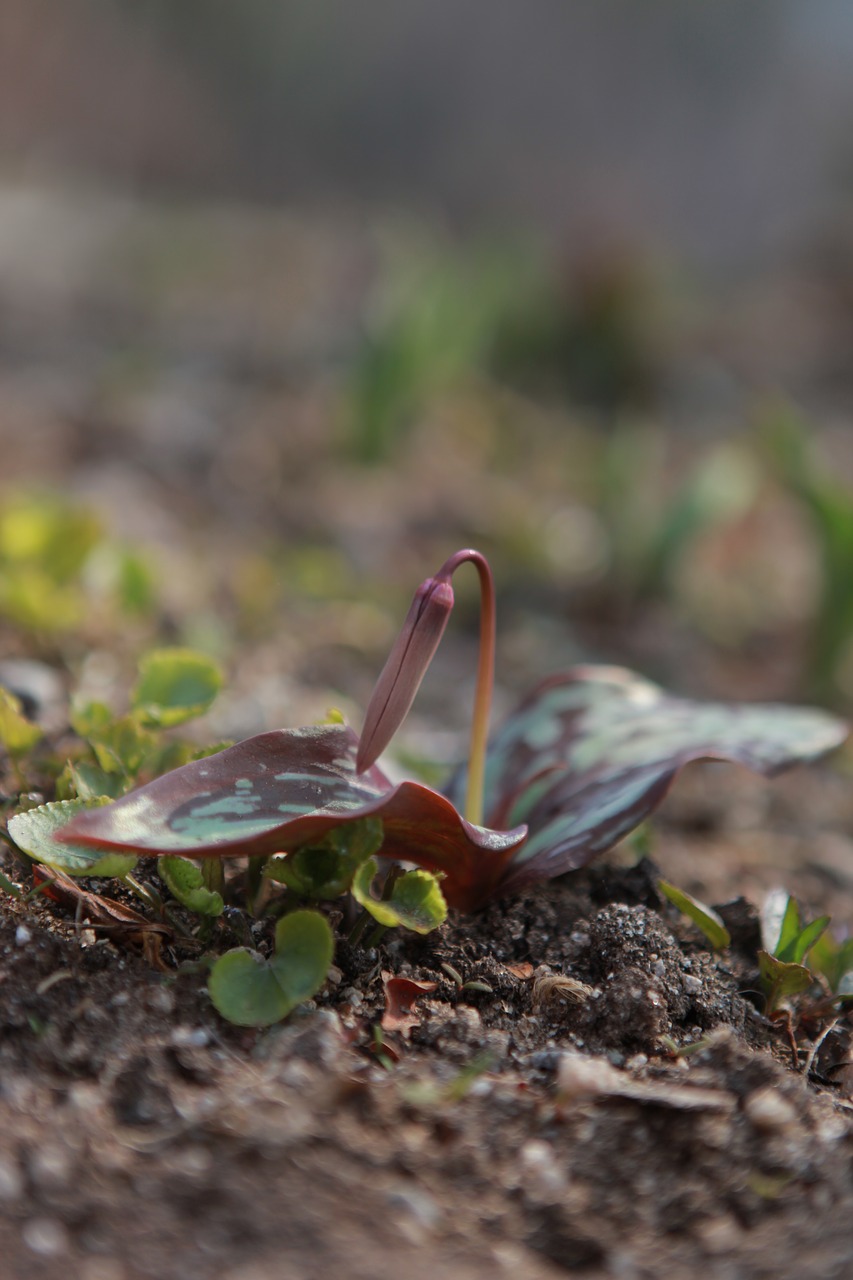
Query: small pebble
(769,1110)
(22,935)
(45,1236)
(11,1181)
(51,1167)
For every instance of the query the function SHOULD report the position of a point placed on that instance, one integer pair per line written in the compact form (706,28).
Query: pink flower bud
(405,669)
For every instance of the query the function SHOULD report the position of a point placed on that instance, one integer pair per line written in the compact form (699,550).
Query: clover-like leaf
(175,685)
(705,918)
(185,881)
(252,991)
(34,831)
(326,869)
(415,901)
(592,752)
(288,789)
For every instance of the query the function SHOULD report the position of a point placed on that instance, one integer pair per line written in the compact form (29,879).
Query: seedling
(473,984)
(787,944)
(581,763)
(705,918)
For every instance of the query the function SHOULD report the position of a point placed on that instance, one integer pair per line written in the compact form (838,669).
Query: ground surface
(540,1122)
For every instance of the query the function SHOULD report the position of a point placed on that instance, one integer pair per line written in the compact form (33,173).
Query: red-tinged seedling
(581,763)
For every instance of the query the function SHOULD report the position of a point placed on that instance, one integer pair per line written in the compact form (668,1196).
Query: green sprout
(788,941)
(705,918)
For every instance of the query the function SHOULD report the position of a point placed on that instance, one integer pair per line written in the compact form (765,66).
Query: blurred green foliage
(828,505)
(58,566)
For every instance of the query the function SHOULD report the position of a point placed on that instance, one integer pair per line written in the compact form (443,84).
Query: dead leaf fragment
(400,996)
(524,970)
(581,1079)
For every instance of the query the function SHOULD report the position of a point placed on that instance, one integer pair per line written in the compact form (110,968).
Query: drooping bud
(405,669)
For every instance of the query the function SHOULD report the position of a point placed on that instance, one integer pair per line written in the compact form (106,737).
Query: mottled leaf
(591,753)
(34,832)
(287,789)
(252,991)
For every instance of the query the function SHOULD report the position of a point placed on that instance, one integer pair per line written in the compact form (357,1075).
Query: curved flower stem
(483,692)
(485,678)
(407,664)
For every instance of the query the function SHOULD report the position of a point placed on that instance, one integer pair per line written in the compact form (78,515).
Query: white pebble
(45,1236)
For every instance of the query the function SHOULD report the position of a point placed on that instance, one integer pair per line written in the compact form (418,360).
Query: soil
(580,1085)
(608,1099)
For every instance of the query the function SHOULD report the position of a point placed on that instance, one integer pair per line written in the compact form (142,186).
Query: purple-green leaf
(583,761)
(592,752)
(286,789)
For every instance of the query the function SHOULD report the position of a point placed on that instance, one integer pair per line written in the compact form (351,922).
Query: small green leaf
(251,991)
(326,870)
(788,931)
(805,940)
(122,746)
(779,978)
(9,886)
(704,917)
(91,717)
(832,957)
(33,832)
(185,881)
(416,901)
(175,685)
(91,781)
(17,734)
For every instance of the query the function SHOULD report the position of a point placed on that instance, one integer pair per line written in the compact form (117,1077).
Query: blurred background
(296,299)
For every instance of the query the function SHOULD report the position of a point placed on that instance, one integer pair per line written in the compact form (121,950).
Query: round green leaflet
(175,685)
(252,991)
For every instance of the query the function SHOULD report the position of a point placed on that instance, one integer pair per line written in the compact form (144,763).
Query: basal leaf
(288,789)
(185,881)
(252,991)
(415,902)
(34,832)
(591,753)
(175,685)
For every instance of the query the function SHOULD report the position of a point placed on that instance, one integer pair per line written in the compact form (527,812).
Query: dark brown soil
(584,1087)
(145,1137)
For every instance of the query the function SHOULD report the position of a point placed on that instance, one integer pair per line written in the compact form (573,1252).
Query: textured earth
(579,1084)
